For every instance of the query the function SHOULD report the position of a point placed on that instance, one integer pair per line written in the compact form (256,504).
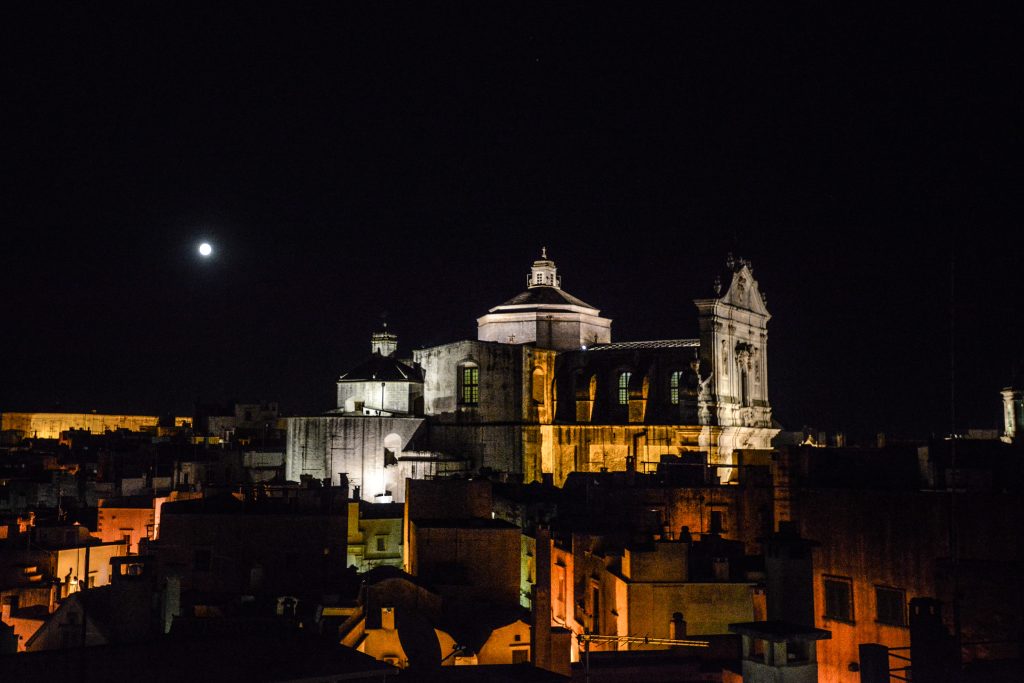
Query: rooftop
(779,631)
(651,344)
(544,296)
(464,523)
(382,368)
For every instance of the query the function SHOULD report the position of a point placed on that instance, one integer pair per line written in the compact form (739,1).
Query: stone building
(381,385)
(255,545)
(374,535)
(898,524)
(544,390)
(376,435)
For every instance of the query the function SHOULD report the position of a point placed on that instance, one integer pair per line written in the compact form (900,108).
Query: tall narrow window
(538,381)
(673,386)
(624,388)
(469,384)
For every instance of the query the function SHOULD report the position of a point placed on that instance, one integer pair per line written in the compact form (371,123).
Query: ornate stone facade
(544,391)
(545,403)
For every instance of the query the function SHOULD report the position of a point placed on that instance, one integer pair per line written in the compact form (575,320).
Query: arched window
(392,446)
(673,386)
(624,388)
(469,384)
(537,388)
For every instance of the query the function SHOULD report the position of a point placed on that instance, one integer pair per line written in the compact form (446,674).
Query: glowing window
(673,386)
(624,388)
(469,385)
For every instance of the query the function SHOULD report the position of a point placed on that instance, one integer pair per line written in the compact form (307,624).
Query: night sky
(349,161)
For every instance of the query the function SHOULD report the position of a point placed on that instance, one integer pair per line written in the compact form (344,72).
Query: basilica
(544,390)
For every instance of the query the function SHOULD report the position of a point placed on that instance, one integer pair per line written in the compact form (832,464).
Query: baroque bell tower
(733,406)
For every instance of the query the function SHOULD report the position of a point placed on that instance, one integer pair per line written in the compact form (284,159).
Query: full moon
(205,249)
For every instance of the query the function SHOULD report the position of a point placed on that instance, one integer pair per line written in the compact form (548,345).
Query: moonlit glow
(205,249)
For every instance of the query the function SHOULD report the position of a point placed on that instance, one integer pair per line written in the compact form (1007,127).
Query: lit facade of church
(544,391)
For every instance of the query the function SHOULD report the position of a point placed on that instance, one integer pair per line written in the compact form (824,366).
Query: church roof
(544,296)
(384,369)
(652,344)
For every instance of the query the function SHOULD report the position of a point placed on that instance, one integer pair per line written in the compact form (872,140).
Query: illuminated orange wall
(50,425)
(562,449)
(898,539)
(114,522)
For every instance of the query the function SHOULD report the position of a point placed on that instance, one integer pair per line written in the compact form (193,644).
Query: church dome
(545,315)
(544,296)
(382,369)
(381,365)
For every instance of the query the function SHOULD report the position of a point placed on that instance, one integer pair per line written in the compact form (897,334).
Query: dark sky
(349,159)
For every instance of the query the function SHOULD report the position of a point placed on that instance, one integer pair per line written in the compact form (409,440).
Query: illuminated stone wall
(321,447)
(899,540)
(561,449)
(403,398)
(500,381)
(115,521)
(707,608)
(1013,414)
(561,330)
(734,354)
(629,607)
(50,425)
(72,562)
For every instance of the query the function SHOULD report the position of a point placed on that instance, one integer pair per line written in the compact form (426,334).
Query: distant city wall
(50,425)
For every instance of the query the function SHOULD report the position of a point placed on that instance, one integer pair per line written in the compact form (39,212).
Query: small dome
(382,369)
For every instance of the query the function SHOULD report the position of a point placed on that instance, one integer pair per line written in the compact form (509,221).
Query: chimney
(790,576)
(677,627)
(720,567)
(933,653)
